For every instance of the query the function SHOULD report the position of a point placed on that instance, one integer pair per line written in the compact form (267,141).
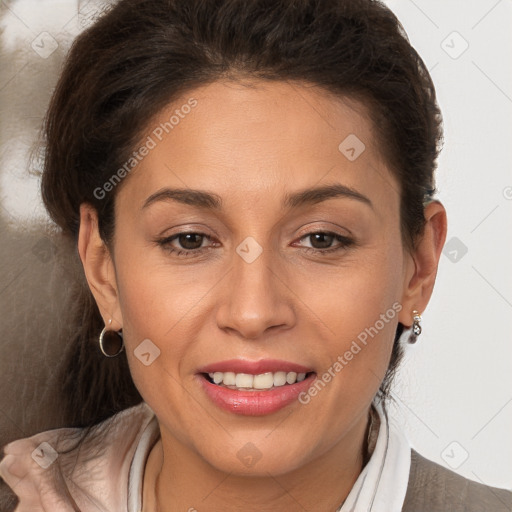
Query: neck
(177,479)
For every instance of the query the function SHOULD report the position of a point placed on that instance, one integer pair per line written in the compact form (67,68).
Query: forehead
(258,140)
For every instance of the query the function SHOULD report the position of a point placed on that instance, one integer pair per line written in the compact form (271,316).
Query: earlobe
(98,266)
(419,283)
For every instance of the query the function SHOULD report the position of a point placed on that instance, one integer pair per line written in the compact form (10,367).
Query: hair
(143,54)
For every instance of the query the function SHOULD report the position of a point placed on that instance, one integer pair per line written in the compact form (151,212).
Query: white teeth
(229,378)
(291,377)
(279,378)
(261,381)
(243,380)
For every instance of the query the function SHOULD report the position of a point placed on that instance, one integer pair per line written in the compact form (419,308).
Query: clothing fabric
(106,473)
(102,476)
(382,484)
(433,488)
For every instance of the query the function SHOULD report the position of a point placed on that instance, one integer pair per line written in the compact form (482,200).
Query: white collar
(382,485)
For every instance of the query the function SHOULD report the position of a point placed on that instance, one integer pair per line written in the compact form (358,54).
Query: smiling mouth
(261,382)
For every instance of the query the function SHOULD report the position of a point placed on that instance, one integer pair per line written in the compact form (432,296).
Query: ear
(98,267)
(421,264)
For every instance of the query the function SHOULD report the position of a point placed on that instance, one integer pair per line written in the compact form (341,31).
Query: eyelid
(344,243)
(311,228)
(305,232)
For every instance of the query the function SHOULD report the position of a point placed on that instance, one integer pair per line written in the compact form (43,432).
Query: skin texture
(251,144)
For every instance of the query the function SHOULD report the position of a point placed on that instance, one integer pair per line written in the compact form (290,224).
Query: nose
(255,298)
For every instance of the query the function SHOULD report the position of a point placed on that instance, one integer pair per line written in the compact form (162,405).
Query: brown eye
(190,241)
(185,244)
(322,242)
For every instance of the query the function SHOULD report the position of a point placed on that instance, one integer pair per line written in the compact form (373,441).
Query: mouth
(261,382)
(254,388)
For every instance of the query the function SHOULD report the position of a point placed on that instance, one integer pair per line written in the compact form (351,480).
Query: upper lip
(254,367)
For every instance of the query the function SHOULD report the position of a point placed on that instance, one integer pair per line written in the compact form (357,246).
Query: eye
(184,244)
(189,244)
(321,242)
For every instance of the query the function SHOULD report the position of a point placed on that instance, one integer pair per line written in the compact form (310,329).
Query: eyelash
(345,243)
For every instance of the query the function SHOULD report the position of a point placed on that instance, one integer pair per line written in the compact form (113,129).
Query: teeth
(229,378)
(261,381)
(243,380)
(291,377)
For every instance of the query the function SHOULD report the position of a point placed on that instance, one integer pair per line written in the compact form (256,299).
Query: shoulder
(65,468)
(433,488)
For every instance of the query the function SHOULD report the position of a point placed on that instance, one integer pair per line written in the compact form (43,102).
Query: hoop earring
(416,327)
(111,338)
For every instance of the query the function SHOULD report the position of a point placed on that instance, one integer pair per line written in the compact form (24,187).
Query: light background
(454,391)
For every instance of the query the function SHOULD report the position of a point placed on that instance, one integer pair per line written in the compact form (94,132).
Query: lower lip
(255,403)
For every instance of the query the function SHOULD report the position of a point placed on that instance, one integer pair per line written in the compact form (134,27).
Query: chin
(249,458)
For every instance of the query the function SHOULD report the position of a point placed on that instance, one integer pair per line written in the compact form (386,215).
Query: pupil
(187,242)
(317,236)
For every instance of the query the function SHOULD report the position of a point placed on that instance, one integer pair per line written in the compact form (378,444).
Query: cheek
(156,296)
(169,306)
(158,308)
(352,296)
(359,304)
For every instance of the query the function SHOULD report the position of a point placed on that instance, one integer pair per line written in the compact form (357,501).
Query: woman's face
(255,284)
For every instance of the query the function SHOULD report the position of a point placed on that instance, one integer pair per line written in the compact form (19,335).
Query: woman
(250,187)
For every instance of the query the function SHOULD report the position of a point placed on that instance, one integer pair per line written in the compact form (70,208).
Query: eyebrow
(211,201)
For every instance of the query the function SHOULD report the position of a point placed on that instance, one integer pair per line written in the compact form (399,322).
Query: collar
(382,484)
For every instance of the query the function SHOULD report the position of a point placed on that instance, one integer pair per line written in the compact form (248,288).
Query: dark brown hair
(143,54)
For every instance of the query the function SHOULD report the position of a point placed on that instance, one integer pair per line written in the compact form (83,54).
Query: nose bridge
(252,270)
(256,298)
